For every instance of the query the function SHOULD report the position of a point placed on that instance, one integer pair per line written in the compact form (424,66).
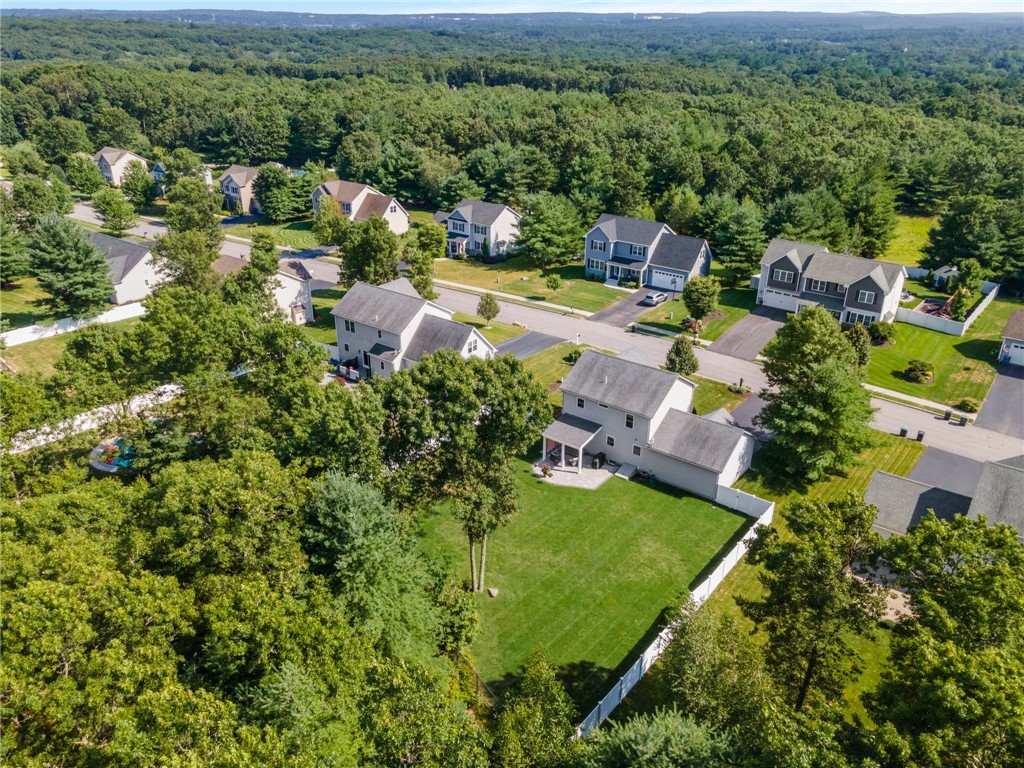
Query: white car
(654,298)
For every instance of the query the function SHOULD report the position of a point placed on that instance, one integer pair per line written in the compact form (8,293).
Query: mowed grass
(964,366)
(735,303)
(712,395)
(17,304)
(584,576)
(322,329)
(518,277)
(910,237)
(41,356)
(552,365)
(295,234)
(419,217)
(495,331)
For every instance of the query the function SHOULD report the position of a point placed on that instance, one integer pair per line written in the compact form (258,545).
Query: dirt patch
(716,315)
(553,387)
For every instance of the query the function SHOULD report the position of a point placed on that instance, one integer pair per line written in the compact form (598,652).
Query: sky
(535,6)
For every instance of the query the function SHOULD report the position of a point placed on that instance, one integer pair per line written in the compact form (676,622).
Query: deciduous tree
(192,207)
(370,253)
(680,357)
(14,253)
(487,307)
(83,174)
(115,210)
(700,294)
(138,186)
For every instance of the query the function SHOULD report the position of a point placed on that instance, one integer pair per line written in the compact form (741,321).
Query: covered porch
(565,440)
(457,244)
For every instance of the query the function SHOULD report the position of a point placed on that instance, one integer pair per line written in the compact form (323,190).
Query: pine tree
(680,358)
(741,242)
(14,257)
(70,269)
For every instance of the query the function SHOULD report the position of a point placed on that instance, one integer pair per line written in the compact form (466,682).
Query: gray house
(621,249)
(854,290)
(475,226)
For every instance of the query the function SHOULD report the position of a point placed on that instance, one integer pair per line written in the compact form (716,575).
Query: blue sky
(519,6)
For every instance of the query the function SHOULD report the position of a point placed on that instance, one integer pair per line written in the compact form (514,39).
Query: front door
(613,273)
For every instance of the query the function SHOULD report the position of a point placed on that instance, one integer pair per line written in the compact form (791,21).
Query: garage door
(659,278)
(1013,353)
(779,300)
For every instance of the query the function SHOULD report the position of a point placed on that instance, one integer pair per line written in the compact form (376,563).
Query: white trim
(777,275)
(862,294)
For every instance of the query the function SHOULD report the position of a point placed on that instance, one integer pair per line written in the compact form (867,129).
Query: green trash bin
(904,430)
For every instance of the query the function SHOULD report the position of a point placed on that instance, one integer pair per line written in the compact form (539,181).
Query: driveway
(744,414)
(1003,410)
(624,311)
(526,344)
(748,337)
(948,471)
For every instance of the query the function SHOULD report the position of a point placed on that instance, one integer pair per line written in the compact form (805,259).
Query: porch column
(579,460)
(563,453)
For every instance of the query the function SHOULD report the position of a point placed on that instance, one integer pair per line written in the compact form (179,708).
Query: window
(382,365)
(598,245)
(346,207)
(378,335)
(855,318)
(458,226)
(637,250)
(394,209)
(636,450)
(595,264)
(610,441)
(346,347)
(866,297)
(472,346)
(580,402)
(602,405)
(840,289)
(818,286)
(478,230)
(629,421)
(782,275)
(350,326)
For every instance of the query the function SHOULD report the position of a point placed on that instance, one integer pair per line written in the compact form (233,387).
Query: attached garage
(779,300)
(1012,350)
(662,278)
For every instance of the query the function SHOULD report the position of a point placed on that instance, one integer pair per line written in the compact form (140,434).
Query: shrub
(919,370)
(968,405)
(883,333)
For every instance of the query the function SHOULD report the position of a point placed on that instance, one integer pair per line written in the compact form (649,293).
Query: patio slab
(568,477)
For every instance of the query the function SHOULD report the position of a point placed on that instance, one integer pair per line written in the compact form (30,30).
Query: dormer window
(637,250)
(346,207)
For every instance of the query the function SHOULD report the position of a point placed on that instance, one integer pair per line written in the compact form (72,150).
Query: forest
(253,592)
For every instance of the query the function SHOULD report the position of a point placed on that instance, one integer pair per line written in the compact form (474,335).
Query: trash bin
(920,435)
(963,421)
(949,415)
(903,431)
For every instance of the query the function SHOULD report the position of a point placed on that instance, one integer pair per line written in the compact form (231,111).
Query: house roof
(113,154)
(778,248)
(902,503)
(625,229)
(379,307)
(374,204)
(844,269)
(383,351)
(678,252)
(436,333)
(1015,325)
(242,175)
(1000,494)
(401,285)
(572,430)
(696,440)
(346,191)
(295,268)
(227,265)
(122,255)
(441,217)
(479,212)
(620,382)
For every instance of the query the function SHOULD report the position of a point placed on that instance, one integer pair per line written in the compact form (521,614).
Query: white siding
(659,277)
(696,480)
(1012,351)
(680,398)
(398,222)
(138,283)
(739,462)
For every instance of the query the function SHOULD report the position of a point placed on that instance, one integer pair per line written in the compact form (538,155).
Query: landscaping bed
(733,305)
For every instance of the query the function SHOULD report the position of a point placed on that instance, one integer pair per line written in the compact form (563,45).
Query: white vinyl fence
(941,324)
(69,324)
(764,512)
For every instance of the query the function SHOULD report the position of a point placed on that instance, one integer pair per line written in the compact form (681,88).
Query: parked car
(654,298)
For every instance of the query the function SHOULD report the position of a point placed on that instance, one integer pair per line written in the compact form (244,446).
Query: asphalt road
(1003,410)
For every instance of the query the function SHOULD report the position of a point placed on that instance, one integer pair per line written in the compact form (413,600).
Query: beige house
(361,201)
(236,187)
(113,163)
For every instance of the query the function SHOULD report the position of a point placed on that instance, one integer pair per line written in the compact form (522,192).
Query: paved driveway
(1003,410)
(744,414)
(624,311)
(948,471)
(747,338)
(526,344)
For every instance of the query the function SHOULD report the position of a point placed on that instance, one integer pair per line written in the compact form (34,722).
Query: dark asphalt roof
(122,255)
(436,333)
(479,212)
(678,252)
(844,269)
(619,382)
(627,230)
(778,248)
(1015,325)
(378,307)
(696,440)
(383,351)
(1000,495)
(572,430)
(902,503)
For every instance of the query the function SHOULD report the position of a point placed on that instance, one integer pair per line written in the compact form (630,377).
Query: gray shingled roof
(903,503)
(383,351)
(620,383)
(378,307)
(479,212)
(572,430)
(441,217)
(696,440)
(1000,495)
(778,248)
(627,230)
(122,255)
(844,269)
(242,175)
(401,285)
(678,252)
(1015,325)
(436,333)
(113,154)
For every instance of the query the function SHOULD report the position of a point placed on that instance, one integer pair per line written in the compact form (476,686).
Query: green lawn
(735,303)
(495,332)
(585,575)
(551,366)
(420,217)
(41,356)
(296,234)
(17,305)
(322,330)
(964,367)
(517,277)
(712,395)
(910,237)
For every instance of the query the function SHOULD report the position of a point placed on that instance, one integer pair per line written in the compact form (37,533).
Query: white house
(854,290)
(1012,350)
(621,249)
(159,174)
(388,327)
(475,226)
(290,287)
(236,187)
(361,201)
(638,415)
(113,163)
(131,267)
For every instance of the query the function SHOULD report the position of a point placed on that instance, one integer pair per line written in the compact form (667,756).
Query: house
(1012,350)
(236,187)
(159,174)
(361,201)
(854,290)
(385,328)
(291,289)
(621,249)
(638,416)
(901,503)
(477,227)
(113,163)
(131,267)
